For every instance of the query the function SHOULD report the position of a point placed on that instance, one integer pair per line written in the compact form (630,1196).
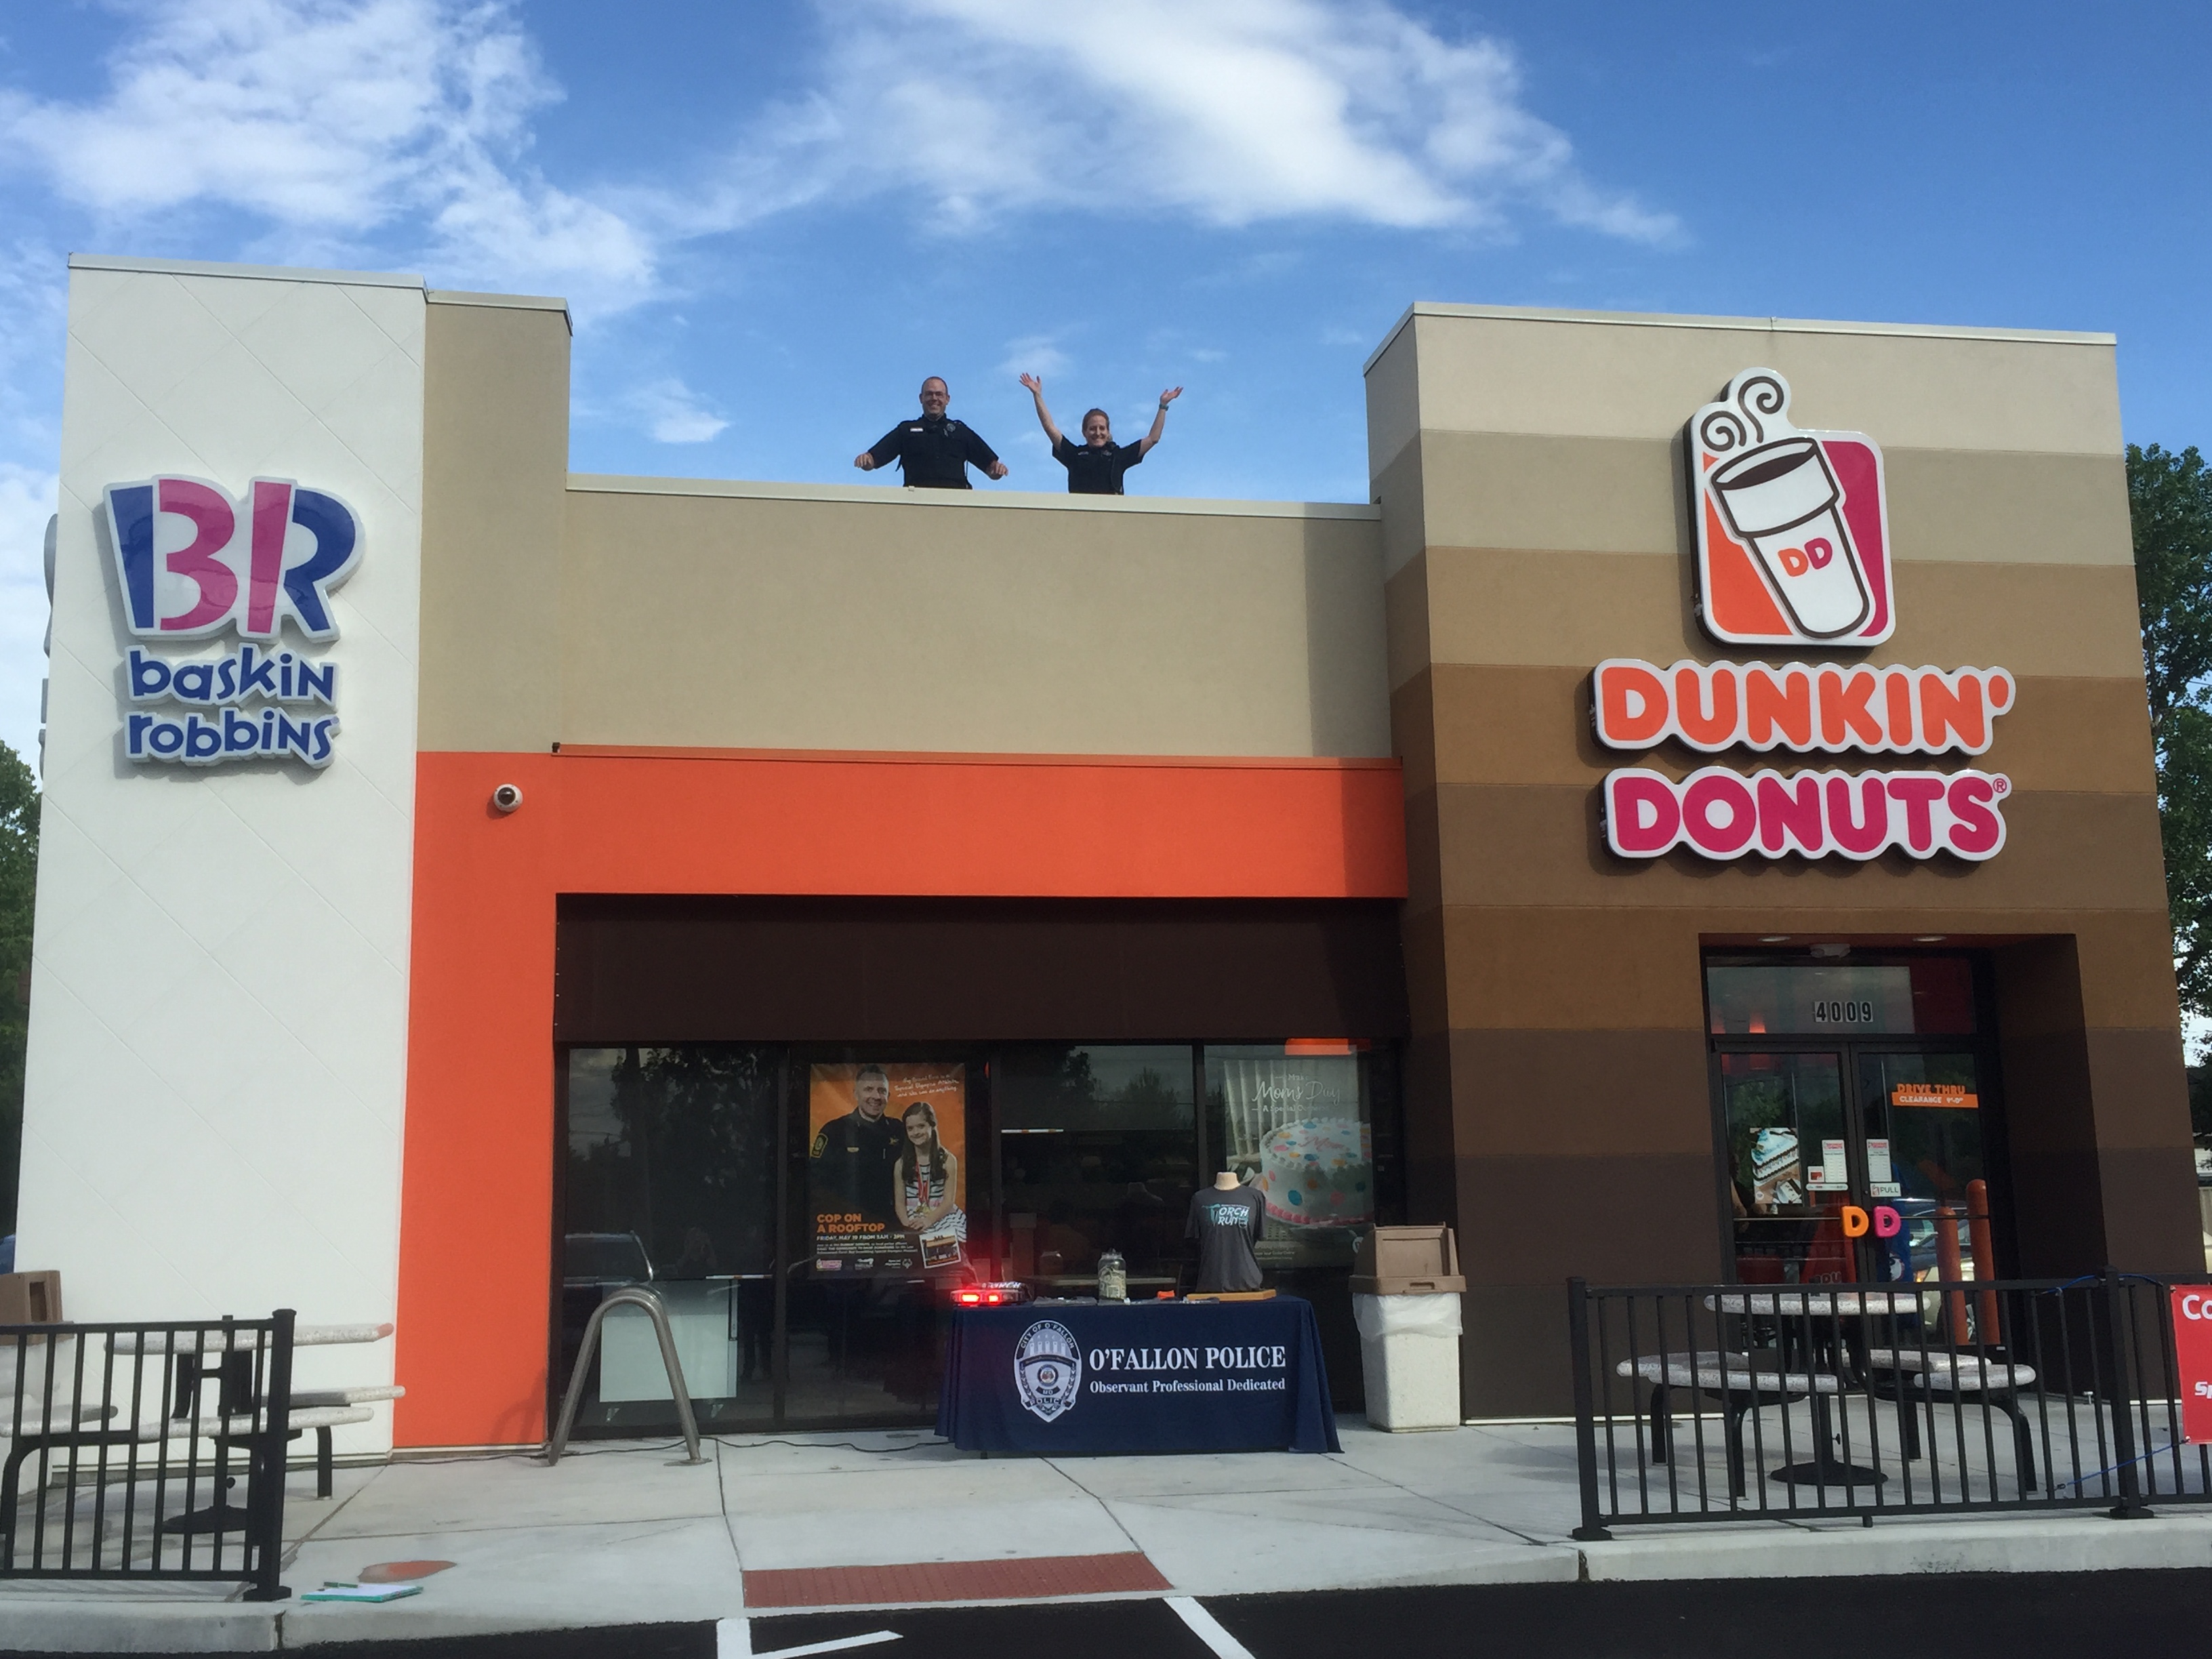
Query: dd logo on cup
(1792,525)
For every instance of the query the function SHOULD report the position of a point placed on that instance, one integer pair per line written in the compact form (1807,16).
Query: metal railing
(122,1447)
(629,1296)
(1789,1402)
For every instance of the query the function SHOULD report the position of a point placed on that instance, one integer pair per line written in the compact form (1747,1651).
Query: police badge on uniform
(1047,1368)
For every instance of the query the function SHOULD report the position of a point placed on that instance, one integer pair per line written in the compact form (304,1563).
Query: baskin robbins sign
(192,563)
(1792,533)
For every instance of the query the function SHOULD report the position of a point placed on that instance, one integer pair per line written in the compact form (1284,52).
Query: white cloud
(335,120)
(1037,355)
(674,414)
(1229,113)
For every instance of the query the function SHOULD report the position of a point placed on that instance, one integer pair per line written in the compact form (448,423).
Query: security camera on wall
(505,797)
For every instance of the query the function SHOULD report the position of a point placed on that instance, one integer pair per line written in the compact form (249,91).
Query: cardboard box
(1406,1261)
(31,1298)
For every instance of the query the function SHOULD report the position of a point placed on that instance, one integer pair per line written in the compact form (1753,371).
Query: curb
(41,1624)
(2076,1544)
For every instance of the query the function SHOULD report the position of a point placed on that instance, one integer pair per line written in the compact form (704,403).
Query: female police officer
(1097,469)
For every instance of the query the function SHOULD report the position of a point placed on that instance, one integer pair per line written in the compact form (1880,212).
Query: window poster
(886,1174)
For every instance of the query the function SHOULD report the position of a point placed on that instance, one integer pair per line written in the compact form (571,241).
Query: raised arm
(1159,420)
(1044,415)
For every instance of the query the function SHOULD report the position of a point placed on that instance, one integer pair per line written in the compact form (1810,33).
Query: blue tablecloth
(1145,1377)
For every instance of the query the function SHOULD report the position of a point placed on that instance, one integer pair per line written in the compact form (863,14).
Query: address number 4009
(1843,1013)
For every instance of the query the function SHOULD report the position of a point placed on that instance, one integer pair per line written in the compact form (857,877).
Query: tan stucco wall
(862,618)
(659,612)
(494,469)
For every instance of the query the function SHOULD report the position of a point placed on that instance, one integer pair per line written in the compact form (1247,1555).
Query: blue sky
(772,221)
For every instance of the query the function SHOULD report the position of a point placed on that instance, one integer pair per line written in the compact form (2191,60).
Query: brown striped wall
(1531,473)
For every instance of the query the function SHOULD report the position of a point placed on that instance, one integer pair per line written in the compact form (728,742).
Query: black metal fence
(145,1451)
(1728,1402)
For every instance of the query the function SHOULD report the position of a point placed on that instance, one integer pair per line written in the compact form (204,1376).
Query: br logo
(1048,1369)
(192,562)
(1792,525)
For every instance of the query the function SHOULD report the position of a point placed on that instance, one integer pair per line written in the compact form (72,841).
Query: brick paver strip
(1018,1579)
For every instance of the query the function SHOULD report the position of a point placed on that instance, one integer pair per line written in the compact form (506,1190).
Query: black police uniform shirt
(1096,471)
(853,1158)
(935,452)
(1224,1224)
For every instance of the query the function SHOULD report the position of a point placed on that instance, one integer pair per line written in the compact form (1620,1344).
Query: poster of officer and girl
(886,1182)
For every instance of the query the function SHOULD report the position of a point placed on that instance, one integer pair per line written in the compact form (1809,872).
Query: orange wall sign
(1934,1094)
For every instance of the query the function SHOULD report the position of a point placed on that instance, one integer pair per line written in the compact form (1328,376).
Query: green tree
(18,869)
(2170,507)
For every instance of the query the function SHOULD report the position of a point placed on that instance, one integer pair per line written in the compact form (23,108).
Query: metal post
(265,1525)
(2132,1506)
(636,1296)
(1592,1529)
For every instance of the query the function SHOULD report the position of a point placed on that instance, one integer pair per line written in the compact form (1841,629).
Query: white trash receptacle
(1409,1353)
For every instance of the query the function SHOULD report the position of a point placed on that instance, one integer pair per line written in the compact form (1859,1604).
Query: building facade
(811,896)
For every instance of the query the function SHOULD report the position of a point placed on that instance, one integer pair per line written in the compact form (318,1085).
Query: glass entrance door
(1788,1139)
(1922,1116)
(1852,1084)
(1907,1134)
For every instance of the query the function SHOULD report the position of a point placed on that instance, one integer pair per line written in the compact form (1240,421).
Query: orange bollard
(1946,1268)
(1983,1238)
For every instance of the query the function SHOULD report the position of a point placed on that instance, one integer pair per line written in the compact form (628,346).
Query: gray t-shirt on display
(1224,1224)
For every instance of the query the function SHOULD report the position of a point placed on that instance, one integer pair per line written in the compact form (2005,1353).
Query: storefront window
(1098,1151)
(670,1179)
(1295,1121)
(804,1214)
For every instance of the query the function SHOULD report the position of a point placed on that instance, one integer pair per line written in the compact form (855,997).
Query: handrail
(634,1296)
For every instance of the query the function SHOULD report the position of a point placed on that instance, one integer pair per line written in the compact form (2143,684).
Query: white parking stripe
(734,1639)
(1208,1629)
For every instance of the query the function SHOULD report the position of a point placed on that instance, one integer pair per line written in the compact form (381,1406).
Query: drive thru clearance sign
(2192,1357)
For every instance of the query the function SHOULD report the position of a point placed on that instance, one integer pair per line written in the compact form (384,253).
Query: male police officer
(854,1155)
(933,453)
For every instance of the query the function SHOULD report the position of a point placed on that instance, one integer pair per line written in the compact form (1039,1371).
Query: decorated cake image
(1775,1176)
(1317,1173)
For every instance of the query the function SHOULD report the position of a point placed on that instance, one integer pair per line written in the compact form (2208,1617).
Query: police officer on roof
(935,452)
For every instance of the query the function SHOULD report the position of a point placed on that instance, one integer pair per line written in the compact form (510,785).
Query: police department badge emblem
(1047,1367)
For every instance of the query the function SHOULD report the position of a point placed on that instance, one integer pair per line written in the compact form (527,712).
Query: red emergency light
(987,1296)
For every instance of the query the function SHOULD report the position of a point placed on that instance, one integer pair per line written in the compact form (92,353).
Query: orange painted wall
(475,1221)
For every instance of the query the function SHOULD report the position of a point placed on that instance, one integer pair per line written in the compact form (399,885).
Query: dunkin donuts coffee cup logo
(1793,526)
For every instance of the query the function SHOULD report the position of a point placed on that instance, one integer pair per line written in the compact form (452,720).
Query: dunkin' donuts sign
(1792,531)
(1792,526)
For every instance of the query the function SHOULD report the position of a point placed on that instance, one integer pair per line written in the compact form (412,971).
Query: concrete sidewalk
(626,1532)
